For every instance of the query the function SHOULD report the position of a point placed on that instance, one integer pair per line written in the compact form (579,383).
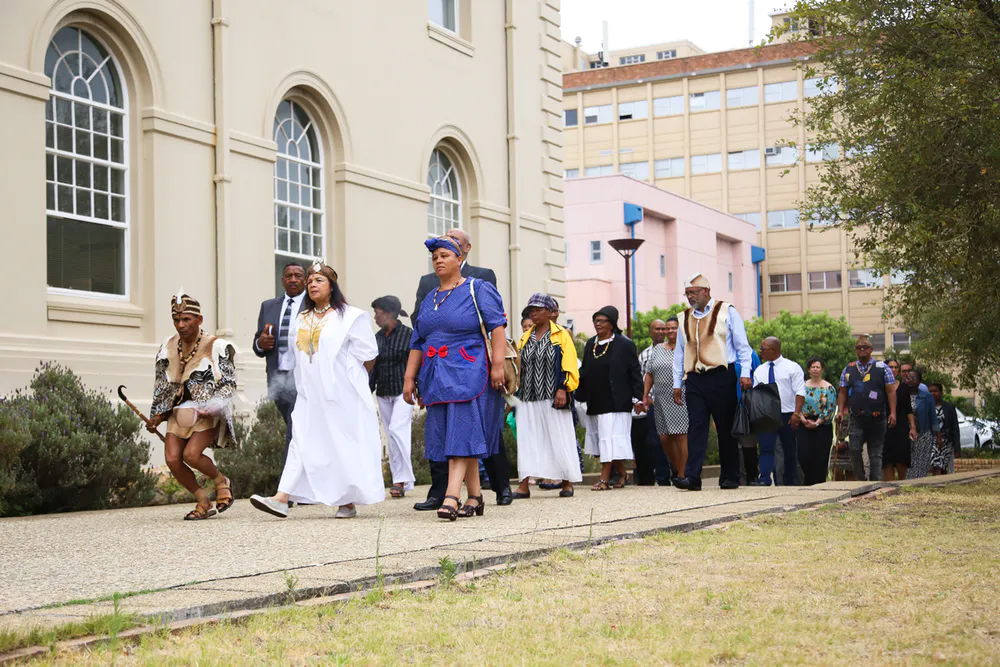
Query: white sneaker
(346,513)
(270,506)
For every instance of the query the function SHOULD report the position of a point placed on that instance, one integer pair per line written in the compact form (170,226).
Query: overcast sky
(713,25)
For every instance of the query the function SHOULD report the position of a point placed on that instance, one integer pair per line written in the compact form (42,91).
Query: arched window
(298,188)
(444,211)
(86,167)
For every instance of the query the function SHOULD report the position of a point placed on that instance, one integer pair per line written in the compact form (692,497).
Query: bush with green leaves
(642,320)
(65,448)
(254,464)
(808,335)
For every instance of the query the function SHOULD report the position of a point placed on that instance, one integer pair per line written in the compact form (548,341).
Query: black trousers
(814,452)
(748,448)
(712,394)
(651,464)
(497,469)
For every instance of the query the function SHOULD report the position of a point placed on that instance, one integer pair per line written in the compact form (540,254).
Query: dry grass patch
(905,579)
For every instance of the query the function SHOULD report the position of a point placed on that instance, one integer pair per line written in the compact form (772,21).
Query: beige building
(575,58)
(150,145)
(710,127)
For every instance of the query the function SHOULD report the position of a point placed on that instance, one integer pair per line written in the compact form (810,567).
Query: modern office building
(149,146)
(710,127)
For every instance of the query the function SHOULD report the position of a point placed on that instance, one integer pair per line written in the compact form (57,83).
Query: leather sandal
(470,510)
(449,512)
(397,491)
(225,502)
(602,485)
(622,481)
(200,513)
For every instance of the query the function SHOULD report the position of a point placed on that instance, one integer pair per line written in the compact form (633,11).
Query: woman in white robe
(335,456)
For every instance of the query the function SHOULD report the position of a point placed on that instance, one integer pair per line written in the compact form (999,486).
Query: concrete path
(62,568)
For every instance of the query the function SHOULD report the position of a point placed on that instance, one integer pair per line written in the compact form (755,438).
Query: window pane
(100,147)
(82,202)
(64,138)
(100,206)
(65,199)
(118,181)
(570,117)
(85,256)
(101,121)
(118,209)
(794,282)
(83,174)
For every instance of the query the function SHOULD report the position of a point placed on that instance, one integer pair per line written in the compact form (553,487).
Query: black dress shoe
(728,484)
(517,495)
(688,484)
(428,505)
(759,482)
(504,497)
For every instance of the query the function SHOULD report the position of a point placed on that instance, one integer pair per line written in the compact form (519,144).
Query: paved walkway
(175,569)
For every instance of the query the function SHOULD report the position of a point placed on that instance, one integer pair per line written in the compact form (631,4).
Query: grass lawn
(906,579)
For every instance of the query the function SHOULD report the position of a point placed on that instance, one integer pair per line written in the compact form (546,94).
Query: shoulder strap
(482,325)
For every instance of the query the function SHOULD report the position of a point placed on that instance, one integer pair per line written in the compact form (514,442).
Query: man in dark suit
(496,466)
(272,344)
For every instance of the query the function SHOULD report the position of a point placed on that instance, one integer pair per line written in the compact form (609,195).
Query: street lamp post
(626,248)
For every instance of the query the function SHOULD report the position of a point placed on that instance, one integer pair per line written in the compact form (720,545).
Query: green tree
(808,335)
(913,102)
(642,320)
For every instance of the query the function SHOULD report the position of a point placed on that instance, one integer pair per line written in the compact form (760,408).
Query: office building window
(706,164)
(669,167)
(595,252)
(632,60)
(750,217)
(444,13)
(741,97)
(744,160)
(595,115)
(822,153)
(819,86)
(784,219)
(571,173)
(663,266)
(633,110)
(825,280)
(730,281)
(638,170)
(900,277)
(786,282)
(704,101)
(666,55)
(901,341)
(864,278)
(668,106)
(787,91)
(570,118)
(444,211)
(86,168)
(778,156)
(878,343)
(603,170)
(816,221)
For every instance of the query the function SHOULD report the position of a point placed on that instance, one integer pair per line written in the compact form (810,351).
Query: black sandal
(602,485)
(470,510)
(447,511)
(397,491)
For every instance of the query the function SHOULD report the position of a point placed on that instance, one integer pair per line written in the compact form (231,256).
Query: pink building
(681,237)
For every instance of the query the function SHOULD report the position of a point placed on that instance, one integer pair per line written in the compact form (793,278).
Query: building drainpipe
(221,178)
(514,249)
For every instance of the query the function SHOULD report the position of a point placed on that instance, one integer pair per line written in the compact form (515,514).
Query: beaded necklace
(604,348)
(438,290)
(185,358)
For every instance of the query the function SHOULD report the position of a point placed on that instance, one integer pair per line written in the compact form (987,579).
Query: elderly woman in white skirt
(546,439)
(611,385)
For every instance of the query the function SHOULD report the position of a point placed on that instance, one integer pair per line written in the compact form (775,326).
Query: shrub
(67,448)
(254,465)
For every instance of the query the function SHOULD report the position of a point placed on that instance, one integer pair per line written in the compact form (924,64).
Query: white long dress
(335,456)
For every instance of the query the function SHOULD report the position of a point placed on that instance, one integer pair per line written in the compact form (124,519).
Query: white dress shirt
(286,360)
(737,346)
(788,376)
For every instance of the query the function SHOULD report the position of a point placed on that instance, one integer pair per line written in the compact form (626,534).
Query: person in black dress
(896,451)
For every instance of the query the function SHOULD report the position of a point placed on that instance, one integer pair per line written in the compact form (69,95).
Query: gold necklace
(438,290)
(313,322)
(603,347)
(185,358)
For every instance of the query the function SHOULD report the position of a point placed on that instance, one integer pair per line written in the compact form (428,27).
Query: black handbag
(765,408)
(741,421)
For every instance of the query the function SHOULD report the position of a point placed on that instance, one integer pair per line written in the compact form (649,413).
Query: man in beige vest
(711,340)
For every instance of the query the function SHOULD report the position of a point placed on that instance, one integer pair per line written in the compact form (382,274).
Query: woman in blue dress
(449,369)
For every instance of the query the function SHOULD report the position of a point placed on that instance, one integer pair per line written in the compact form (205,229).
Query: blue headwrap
(445,242)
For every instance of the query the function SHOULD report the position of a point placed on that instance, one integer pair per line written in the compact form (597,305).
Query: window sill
(788,293)
(86,311)
(450,39)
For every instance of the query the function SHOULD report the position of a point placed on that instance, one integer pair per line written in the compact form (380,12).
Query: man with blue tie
(711,340)
(273,346)
(790,380)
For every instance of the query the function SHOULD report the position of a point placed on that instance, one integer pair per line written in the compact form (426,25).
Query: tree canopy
(912,100)
(642,320)
(808,335)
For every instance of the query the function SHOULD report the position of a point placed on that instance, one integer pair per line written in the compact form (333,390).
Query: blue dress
(464,413)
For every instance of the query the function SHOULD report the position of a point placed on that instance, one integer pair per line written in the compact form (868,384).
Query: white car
(986,431)
(968,435)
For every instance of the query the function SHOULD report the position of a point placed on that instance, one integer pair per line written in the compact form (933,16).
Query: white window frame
(822,153)
(668,106)
(439,225)
(634,59)
(601,114)
(783,219)
(707,101)
(783,91)
(710,163)
(753,217)
(864,279)
(904,347)
(637,170)
(822,281)
(900,277)
(811,87)
(634,110)
(786,156)
(740,160)
(599,170)
(741,97)
(77,158)
(571,173)
(666,55)
(443,6)
(671,167)
(782,283)
(596,252)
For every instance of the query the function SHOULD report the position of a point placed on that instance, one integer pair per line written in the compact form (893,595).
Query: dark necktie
(770,372)
(286,319)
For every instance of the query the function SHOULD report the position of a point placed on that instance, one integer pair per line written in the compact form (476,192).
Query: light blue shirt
(737,346)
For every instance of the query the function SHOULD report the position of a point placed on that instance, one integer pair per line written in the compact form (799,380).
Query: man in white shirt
(788,376)
(272,344)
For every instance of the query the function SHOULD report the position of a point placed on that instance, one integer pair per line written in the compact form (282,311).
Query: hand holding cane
(138,412)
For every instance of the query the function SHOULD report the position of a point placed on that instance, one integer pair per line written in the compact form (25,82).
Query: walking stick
(137,411)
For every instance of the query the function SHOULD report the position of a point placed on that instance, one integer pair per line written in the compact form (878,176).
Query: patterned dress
(671,419)
(537,372)
(920,450)
(943,458)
